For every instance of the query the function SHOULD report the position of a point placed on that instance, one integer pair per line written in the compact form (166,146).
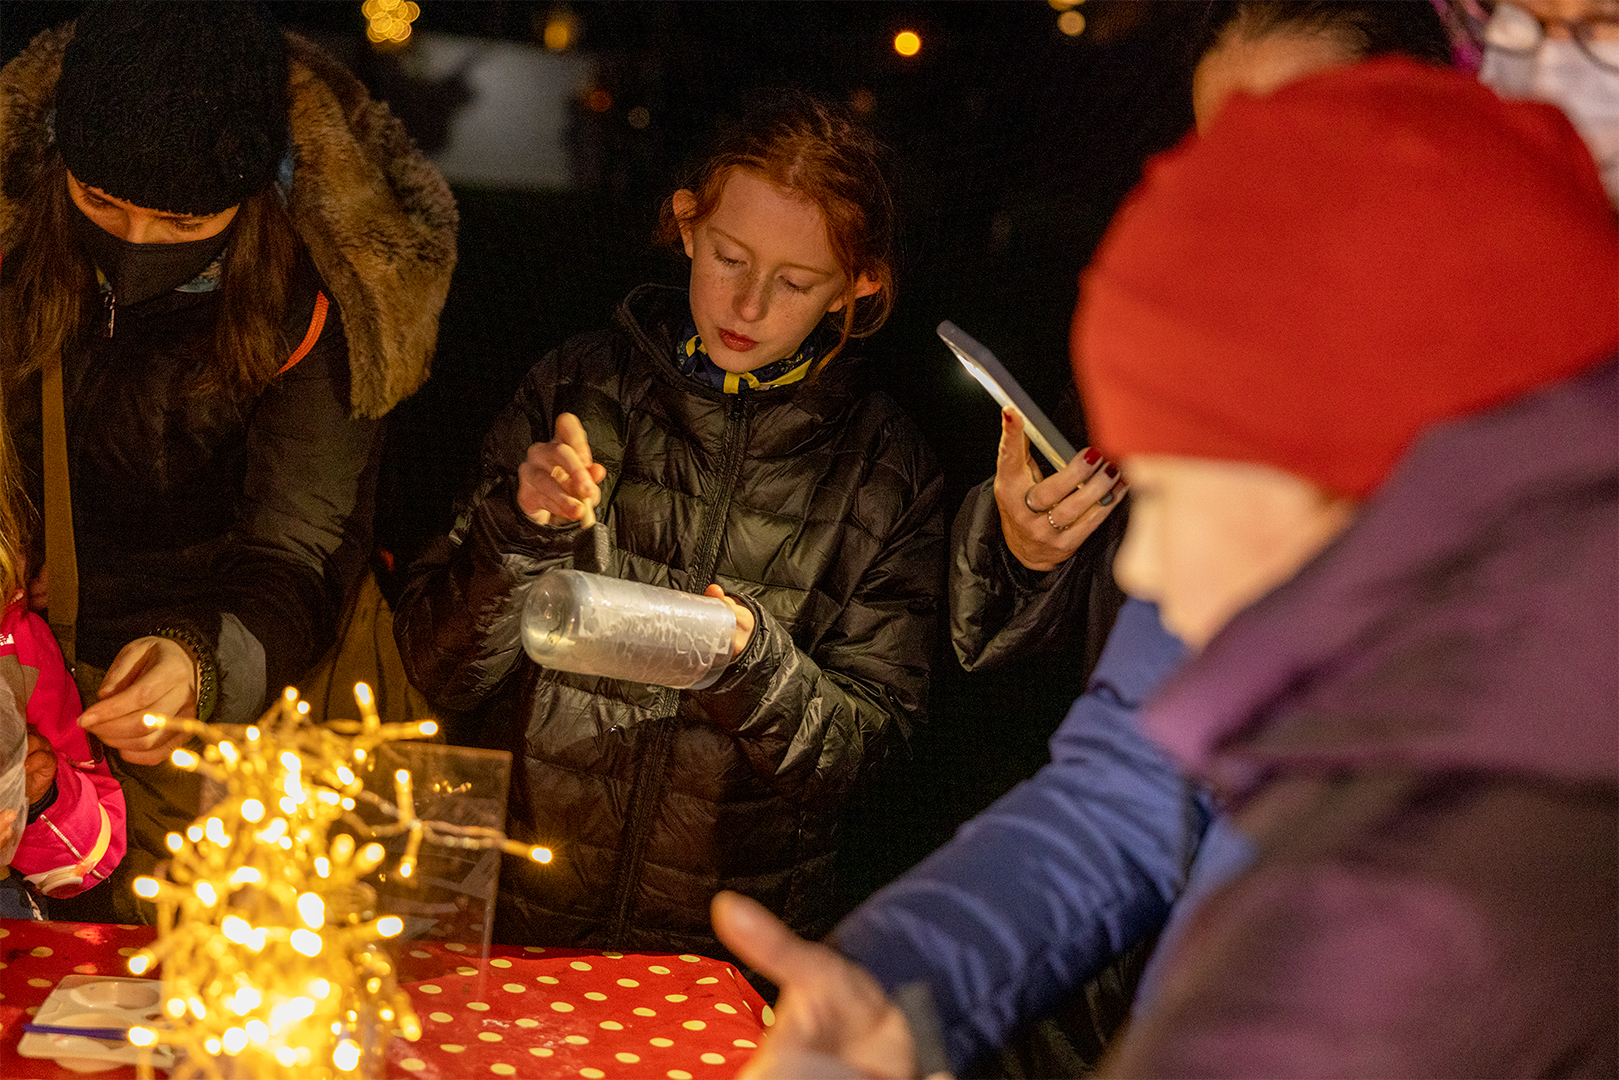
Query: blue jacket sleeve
(1037,893)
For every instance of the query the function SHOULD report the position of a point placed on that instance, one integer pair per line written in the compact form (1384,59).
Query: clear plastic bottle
(595,625)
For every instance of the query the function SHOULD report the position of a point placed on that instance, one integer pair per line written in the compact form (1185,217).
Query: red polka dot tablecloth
(520,1012)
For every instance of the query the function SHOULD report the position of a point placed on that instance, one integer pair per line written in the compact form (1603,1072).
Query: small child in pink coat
(72,834)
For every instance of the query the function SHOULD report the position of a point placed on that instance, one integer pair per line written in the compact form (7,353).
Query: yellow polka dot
(413,1064)
(579,965)
(85,969)
(39,982)
(456,946)
(689,958)
(678,1074)
(661,1042)
(658,970)
(440,1017)
(576,1040)
(627,1058)
(489,1036)
(628,982)
(592,1074)
(611,1025)
(7,933)
(561,1006)
(524,1021)
(515,988)
(478,1006)
(500,963)
(533,948)
(746,1044)
(694,1025)
(451,1048)
(767,1016)
(674,997)
(429,988)
(712,1058)
(3,964)
(2,997)
(549,980)
(503,1070)
(541,1051)
(613,955)
(40,951)
(707,981)
(728,1010)
(644,1011)
(466,970)
(595,995)
(126,951)
(420,954)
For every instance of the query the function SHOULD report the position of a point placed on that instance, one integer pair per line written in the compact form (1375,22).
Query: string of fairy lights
(271,947)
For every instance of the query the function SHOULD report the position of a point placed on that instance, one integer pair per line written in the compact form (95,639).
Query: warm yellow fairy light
(145,887)
(269,944)
(173,841)
(184,758)
(140,1036)
(540,854)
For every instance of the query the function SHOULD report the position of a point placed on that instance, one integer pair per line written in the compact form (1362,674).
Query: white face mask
(1559,72)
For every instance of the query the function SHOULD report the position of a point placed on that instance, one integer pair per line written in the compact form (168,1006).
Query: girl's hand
(744,620)
(559,478)
(1045,520)
(149,675)
(39,767)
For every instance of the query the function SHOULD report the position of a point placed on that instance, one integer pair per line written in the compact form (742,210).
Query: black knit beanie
(177,106)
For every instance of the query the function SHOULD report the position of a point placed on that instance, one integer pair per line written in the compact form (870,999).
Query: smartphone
(983,366)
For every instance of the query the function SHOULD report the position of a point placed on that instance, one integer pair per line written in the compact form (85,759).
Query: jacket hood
(1467,620)
(377,217)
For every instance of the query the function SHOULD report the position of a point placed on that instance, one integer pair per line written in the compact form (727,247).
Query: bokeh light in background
(561,30)
(387,22)
(907,43)
(1069,20)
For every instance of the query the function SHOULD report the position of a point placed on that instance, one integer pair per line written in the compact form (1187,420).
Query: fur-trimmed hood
(376,215)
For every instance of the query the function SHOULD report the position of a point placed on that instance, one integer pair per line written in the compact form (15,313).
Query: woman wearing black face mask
(228,329)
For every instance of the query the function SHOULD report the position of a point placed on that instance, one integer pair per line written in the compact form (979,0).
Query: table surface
(519,1012)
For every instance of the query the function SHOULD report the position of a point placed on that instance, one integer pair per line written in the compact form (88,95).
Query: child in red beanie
(1355,349)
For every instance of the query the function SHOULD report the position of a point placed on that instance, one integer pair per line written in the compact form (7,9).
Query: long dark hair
(821,153)
(46,282)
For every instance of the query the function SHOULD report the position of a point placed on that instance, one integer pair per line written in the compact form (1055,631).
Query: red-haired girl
(723,439)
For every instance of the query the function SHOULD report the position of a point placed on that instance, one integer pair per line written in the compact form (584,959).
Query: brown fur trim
(376,215)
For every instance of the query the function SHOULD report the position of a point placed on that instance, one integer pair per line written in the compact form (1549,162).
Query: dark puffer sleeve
(1001,610)
(810,722)
(458,622)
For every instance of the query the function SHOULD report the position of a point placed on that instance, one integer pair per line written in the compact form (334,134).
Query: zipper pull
(112,310)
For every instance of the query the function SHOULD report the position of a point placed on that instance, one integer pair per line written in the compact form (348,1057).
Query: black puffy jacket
(820,507)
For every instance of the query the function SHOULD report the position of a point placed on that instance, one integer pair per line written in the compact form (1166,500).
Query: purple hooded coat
(1420,733)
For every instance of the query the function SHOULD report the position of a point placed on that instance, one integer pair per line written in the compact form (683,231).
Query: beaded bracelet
(207,669)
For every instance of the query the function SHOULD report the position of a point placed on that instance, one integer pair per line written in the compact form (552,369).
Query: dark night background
(1013,143)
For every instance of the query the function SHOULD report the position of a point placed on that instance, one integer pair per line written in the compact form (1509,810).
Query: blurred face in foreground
(1207,538)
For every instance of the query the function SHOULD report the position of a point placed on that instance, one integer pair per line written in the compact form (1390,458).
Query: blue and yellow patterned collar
(691,357)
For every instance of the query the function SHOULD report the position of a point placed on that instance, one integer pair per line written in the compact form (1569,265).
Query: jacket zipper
(111,303)
(647,786)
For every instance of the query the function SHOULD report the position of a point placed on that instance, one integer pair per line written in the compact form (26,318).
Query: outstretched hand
(1045,519)
(832,1019)
(559,479)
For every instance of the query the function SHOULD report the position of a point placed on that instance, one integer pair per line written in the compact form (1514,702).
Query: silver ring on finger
(1053,521)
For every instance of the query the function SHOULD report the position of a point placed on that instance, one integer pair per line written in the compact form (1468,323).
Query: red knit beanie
(1334,267)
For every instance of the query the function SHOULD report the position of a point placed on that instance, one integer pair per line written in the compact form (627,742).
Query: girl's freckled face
(763,273)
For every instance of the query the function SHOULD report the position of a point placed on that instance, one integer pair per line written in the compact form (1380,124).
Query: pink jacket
(79,838)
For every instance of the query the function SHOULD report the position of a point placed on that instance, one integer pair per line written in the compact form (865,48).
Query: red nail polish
(1112,470)
(1092,456)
